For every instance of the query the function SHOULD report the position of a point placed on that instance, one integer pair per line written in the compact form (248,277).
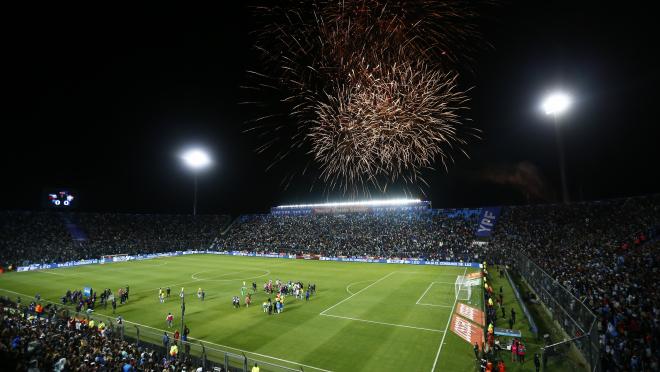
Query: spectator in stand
(55,343)
(47,237)
(607,255)
(393,234)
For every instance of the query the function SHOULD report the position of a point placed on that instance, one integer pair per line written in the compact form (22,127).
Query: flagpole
(183,311)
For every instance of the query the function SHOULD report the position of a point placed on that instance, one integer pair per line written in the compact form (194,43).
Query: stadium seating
(56,343)
(390,234)
(44,237)
(606,252)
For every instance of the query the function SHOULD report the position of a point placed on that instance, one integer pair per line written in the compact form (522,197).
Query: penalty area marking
(351,284)
(195,280)
(442,342)
(192,338)
(351,296)
(426,291)
(447,306)
(156,265)
(194,276)
(49,272)
(385,323)
(323,313)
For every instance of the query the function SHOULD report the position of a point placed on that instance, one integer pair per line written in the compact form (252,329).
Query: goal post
(463,288)
(114,258)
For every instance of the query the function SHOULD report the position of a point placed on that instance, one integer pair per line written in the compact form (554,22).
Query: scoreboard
(60,199)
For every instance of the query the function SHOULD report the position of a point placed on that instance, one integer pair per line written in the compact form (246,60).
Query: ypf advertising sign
(487,220)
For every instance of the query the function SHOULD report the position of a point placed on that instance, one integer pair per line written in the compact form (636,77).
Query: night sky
(102,100)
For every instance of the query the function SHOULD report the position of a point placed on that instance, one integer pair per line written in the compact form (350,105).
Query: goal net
(114,257)
(463,287)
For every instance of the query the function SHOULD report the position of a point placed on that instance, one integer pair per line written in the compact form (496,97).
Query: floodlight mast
(556,104)
(197,160)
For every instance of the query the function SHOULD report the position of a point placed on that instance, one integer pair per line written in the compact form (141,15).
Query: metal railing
(574,317)
(194,352)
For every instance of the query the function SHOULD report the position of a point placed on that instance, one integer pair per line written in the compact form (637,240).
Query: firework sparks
(397,121)
(372,97)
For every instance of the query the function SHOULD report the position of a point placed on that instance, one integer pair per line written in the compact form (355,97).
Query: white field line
(446,327)
(351,296)
(194,276)
(234,348)
(384,323)
(424,294)
(422,304)
(192,338)
(351,284)
(50,272)
(195,280)
(163,263)
(205,280)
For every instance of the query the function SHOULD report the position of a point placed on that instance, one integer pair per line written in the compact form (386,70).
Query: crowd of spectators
(404,234)
(607,255)
(60,343)
(45,237)
(33,237)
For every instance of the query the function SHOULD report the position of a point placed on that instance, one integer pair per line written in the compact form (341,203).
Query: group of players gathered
(279,289)
(88,301)
(282,290)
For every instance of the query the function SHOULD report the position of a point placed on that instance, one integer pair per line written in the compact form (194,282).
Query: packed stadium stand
(427,234)
(44,237)
(61,343)
(606,253)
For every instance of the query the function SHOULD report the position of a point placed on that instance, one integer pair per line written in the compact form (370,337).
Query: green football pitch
(363,317)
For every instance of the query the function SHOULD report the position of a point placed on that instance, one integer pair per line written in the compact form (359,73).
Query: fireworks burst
(371,95)
(398,120)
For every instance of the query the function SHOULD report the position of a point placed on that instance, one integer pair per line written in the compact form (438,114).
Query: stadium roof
(366,203)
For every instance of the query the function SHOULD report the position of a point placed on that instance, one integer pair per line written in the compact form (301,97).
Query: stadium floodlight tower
(556,104)
(196,159)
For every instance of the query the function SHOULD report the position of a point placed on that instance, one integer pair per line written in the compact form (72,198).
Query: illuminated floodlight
(196,158)
(364,203)
(556,103)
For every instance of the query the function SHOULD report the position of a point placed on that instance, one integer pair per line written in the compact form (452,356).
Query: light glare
(371,203)
(196,158)
(556,103)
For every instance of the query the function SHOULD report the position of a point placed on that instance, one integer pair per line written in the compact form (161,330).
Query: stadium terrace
(590,265)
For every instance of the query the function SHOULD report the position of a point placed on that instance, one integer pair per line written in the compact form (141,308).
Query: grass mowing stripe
(446,327)
(192,338)
(374,342)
